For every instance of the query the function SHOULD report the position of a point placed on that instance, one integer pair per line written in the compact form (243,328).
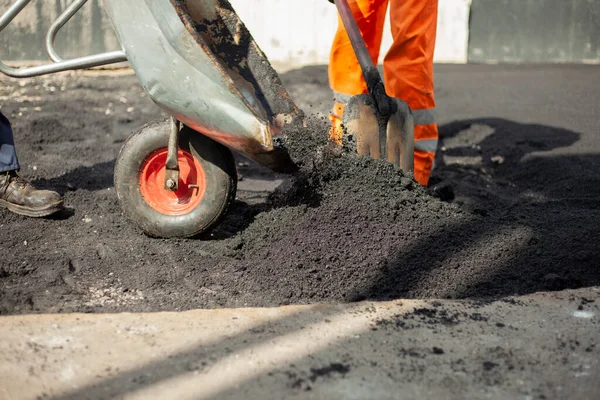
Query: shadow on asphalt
(531,215)
(199,359)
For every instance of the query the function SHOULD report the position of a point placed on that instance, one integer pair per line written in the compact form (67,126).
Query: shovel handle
(369,70)
(358,43)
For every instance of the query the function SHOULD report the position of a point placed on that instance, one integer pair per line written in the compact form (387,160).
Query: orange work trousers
(408,67)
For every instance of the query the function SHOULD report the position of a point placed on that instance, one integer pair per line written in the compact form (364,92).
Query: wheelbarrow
(177,177)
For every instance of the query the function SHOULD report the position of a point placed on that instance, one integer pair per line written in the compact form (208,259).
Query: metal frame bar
(172,165)
(58,64)
(57,25)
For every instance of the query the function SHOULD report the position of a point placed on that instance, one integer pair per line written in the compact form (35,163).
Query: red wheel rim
(192,183)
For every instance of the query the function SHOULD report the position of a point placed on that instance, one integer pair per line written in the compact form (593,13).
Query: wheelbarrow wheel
(207,182)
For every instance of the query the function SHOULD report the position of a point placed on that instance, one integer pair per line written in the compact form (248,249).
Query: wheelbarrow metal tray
(199,63)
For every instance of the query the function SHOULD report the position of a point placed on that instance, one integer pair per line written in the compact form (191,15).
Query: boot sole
(32,212)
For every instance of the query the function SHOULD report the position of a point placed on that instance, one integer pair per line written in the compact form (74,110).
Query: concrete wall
(88,32)
(298,33)
(301,32)
(535,31)
(292,33)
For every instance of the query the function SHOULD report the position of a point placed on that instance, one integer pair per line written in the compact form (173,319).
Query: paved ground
(520,145)
(537,347)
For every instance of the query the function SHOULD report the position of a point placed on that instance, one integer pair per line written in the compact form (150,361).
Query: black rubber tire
(219,169)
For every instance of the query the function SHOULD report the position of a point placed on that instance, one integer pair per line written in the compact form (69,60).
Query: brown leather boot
(20,197)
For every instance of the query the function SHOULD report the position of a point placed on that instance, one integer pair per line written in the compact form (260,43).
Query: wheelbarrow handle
(58,64)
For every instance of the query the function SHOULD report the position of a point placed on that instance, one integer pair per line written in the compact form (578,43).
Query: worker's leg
(408,68)
(345,75)
(8,156)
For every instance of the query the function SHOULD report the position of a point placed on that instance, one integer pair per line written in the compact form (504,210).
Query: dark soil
(345,229)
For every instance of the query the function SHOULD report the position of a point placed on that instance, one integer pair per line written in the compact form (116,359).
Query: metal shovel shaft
(384,104)
(358,43)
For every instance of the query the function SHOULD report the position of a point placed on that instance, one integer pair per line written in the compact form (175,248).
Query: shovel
(375,124)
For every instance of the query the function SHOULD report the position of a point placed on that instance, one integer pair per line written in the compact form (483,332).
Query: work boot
(443,190)
(20,197)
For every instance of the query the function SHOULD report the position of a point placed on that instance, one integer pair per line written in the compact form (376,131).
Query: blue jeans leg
(8,154)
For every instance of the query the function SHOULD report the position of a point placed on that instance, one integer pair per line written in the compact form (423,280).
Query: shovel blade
(369,134)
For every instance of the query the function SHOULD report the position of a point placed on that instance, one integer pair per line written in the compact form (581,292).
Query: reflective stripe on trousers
(426,134)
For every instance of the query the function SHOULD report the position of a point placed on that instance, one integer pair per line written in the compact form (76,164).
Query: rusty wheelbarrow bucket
(199,63)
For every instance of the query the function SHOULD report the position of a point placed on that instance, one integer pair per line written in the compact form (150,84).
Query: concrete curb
(364,350)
